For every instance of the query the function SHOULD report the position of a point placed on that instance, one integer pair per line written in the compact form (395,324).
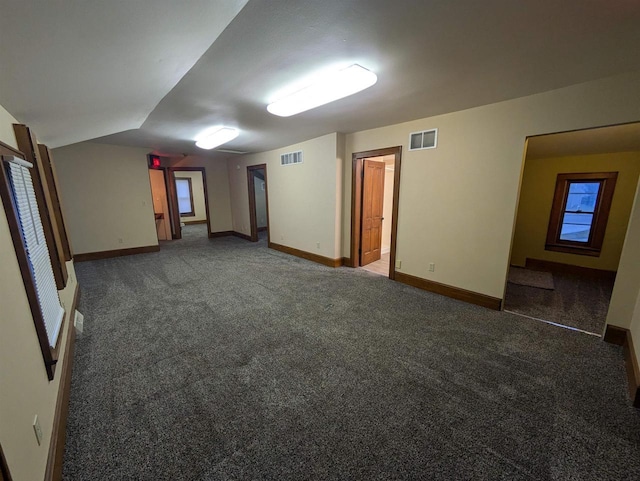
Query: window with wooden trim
(30,244)
(45,191)
(184,193)
(580,212)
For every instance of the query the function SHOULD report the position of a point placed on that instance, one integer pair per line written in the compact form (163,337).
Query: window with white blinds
(36,247)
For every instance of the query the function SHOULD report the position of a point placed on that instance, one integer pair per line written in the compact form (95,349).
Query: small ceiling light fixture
(334,86)
(215,136)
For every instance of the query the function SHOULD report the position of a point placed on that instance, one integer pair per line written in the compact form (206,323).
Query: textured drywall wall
(457,202)
(25,389)
(303,198)
(536,197)
(107,196)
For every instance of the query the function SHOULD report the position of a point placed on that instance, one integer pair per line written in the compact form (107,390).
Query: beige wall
(6,128)
(627,285)
(536,197)
(107,196)
(624,309)
(25,390)
(217,188)
(197,189)
(160,204)
(303,194)
(634,327)
(457,202)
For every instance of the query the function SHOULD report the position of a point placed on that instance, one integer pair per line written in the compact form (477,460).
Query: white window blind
(36,246)
(184,195)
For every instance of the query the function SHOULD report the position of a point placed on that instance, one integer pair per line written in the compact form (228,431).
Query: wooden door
(372,200)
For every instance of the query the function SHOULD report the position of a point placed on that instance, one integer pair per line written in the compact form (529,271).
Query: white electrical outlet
(38,430)
(318,245)
(120,240)
(432,267)
(398,265)
(78,322)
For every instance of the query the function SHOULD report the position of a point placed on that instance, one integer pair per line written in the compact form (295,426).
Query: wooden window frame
(28,145)
(51,178)
(5,474)
(593,247)
(192,213)
(49,354)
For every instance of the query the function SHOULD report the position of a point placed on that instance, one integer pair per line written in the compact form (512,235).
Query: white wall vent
(427,139)
(291,158)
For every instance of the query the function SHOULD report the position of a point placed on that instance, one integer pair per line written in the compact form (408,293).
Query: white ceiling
(431,57)
(78,70)
(604,140)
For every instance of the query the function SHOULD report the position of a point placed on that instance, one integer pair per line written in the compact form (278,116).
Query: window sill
(570,249)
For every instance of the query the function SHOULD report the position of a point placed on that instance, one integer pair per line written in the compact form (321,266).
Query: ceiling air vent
(427,139)
(291,158)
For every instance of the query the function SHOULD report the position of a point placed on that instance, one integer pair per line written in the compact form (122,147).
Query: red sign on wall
(154,161)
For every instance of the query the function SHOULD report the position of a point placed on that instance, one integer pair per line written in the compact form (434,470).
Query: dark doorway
(258,201)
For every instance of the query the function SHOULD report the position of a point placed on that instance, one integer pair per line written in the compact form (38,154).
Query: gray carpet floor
(224,360)
(575,301)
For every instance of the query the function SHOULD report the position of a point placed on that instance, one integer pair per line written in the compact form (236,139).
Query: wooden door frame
(173,196)
(253,221)
(170,192)
(165,178)
(356,203)
(5,474)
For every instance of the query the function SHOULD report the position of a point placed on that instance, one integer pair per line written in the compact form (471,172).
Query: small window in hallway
(580,212)
(185,197)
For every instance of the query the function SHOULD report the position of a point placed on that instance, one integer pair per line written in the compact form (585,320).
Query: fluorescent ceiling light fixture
(331,87)
(215,136)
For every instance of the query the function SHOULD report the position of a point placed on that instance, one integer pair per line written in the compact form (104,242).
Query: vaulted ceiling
(155,73)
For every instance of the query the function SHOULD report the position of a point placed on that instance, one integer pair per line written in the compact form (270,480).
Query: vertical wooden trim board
(5,474)
(59,433)
(54,189)
(622,337)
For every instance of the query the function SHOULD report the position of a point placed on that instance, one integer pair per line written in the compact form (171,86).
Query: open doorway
(189,202)
(374,210)
(575,200)
(258,202)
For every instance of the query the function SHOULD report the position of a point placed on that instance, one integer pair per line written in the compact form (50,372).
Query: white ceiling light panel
(328,88)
